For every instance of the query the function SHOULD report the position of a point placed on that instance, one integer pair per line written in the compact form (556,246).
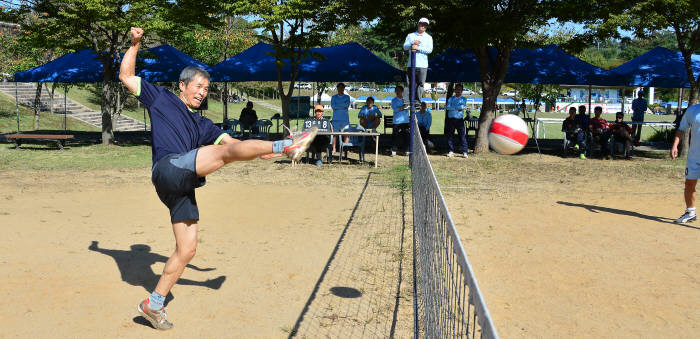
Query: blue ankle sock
(279,145)
(156,301)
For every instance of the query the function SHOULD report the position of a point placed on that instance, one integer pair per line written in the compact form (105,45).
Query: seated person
(249,118)
(574,133)
(425,119)
(582,118)
(600,130)
(369,115)
(622,132)
(321,142)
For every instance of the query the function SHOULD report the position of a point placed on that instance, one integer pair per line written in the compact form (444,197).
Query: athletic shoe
(576,147)
(582,156)
(319,163)
(393,153)
(450,154)
(686,217)
(158,319)
(301,142)
(465,155)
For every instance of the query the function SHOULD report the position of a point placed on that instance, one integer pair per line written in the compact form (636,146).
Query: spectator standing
(574,133)
(425,120)
(422,43)
(689,124)
(601,132)
(400,133)
(370,115)
(249,118)
(639,107)
(340,103)
(455,120)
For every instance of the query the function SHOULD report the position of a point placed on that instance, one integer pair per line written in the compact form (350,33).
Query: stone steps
(26,93)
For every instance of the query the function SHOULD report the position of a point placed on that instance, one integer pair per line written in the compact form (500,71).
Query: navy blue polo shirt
(174,127)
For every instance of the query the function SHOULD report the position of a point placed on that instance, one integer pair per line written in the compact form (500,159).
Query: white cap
(423,20)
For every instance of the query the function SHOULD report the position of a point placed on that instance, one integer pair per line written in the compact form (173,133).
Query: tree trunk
(37,105)
(107,104)
(224,98)
(53,90)
(492,69)
(692,100)
(488,108)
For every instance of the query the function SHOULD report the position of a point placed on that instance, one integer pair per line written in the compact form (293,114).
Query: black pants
(458,124)
(421,74)
(400,135)
(637,129)
(424,134)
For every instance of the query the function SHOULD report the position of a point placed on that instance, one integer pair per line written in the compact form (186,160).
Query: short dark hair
(190,72)
(619,115)
(598,108)
(398,87)
(582,108)
(369,98)
(340,84)
(459,85)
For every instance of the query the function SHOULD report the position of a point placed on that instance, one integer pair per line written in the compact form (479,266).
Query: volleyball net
(447,299)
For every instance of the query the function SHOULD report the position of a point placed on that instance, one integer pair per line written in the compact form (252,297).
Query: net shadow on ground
(364,289)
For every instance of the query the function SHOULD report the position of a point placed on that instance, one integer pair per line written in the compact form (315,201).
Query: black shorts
(175,179)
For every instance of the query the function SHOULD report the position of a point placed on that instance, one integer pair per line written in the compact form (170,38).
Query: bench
(60,139)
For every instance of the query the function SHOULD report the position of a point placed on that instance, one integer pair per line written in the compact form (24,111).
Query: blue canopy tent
(548,65)
(157,64)
(347,62)
(164,64)
(659,67)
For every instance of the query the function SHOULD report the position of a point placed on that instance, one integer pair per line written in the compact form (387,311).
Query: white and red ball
(508,134)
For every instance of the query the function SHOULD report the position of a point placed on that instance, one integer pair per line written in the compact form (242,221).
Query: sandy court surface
(269,250)
(565,260)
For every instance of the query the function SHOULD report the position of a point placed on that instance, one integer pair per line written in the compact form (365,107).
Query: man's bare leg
(185,247)
(690,193)
(211,158)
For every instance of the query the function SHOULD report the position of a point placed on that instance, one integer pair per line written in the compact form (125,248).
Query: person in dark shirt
(181,162)
(622,132)
(322,142)
(249,118)
(601,132)
(574,133)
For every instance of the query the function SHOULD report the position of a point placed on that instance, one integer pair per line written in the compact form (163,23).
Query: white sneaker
(686,217)
(450,154)
(393,153)
(465,155)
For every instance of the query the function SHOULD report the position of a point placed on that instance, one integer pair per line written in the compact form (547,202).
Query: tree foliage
(103,25)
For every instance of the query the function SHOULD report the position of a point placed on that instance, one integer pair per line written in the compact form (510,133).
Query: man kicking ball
(181,163)
(689,123)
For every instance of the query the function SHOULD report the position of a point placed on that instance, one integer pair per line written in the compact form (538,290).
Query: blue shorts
(692,170)
(175,178)
(339,124)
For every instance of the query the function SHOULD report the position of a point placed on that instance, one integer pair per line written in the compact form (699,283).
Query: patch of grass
(75,157)
(399,177)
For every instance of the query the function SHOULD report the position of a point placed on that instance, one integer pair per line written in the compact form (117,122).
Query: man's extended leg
(212,157)
(690,195)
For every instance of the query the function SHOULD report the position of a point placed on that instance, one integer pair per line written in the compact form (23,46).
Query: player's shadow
(135,268)
(596,209)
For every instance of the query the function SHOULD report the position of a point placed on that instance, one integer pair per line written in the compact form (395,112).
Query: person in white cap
(422,43)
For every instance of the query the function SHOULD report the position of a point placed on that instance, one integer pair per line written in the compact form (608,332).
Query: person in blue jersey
(340,103)
(455,121)
(639,108)
(425,120)
(422,43)
(400,133)
(690,123)
(370,115)
(187,147)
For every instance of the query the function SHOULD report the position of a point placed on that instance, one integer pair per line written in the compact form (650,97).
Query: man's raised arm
(128,66)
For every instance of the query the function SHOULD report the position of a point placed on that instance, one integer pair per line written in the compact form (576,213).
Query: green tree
(103,25)
(291,27)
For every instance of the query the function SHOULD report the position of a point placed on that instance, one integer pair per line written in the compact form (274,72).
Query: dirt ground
(596,255)
(80,249)
(553,257)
